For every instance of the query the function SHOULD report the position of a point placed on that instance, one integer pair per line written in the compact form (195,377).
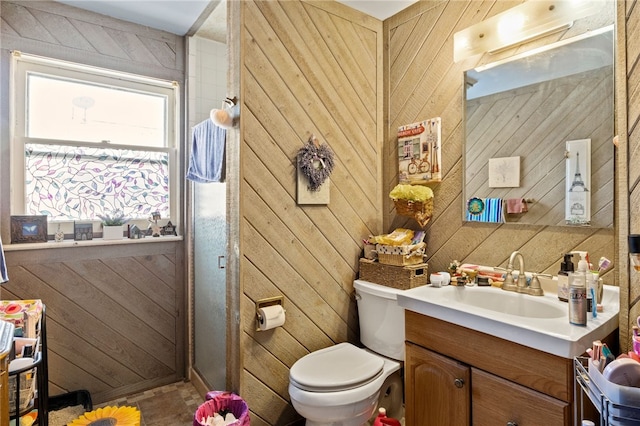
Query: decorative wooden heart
(422,218)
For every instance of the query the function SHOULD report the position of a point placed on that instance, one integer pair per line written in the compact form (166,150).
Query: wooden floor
(170,405)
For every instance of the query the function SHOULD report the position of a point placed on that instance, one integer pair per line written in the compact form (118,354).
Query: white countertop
(517,323)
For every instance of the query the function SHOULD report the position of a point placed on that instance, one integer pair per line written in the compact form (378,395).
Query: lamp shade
(221,118)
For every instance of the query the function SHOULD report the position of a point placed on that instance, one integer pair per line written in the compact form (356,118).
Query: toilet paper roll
(270,317)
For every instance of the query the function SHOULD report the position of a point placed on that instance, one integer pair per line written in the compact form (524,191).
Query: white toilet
(342,385)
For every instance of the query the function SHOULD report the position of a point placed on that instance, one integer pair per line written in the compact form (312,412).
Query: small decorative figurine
(154,229)
(59,235)
(169,229)
(135,233)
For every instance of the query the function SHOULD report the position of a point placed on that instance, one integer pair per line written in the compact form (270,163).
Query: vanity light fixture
(530,20)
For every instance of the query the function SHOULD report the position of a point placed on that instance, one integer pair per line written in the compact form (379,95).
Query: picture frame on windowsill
(82,231)
(28,229)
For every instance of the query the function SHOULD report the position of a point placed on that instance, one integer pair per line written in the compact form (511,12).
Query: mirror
(538,136)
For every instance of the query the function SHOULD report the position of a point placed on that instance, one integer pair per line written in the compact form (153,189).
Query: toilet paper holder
(263,303)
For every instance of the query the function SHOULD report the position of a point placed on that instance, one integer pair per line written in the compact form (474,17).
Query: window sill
(94,242)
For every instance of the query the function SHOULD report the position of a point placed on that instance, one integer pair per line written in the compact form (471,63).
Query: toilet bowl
(342,385)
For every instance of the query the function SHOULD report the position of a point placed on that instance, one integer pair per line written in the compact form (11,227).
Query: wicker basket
(420,211)
(400,259)
(400,277)
(399,255)
(27,390)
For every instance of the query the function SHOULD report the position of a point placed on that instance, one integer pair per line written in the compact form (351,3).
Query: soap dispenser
(563,277)
(583,264)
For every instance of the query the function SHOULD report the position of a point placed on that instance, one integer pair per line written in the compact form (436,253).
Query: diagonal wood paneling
(115,313)
(106,333)
(89,38)
(429,84)
(308,68)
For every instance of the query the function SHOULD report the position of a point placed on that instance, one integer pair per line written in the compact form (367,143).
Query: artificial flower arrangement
(415,193)
(114,218)
(415,201)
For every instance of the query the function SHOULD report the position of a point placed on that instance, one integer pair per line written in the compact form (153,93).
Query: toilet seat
(336,368)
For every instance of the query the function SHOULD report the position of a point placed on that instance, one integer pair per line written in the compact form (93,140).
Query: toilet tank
(381,319)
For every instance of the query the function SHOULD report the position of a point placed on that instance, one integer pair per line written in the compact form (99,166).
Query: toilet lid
(340,367)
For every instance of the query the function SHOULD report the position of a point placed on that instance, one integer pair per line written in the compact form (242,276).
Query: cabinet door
(437,389)
(500,402)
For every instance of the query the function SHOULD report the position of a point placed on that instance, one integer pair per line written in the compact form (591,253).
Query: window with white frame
(90,141)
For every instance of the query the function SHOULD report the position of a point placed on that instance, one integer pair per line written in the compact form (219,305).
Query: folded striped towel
(492,213)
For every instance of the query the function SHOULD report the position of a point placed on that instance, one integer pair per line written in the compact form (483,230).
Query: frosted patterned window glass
(64,109)
(66,182)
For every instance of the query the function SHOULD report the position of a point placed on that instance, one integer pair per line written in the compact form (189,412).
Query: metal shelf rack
(613,411)
(39,369)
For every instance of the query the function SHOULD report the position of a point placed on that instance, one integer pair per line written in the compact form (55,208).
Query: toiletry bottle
(592,293)
(583,264)
(577,298)
(382,414)
(563,277)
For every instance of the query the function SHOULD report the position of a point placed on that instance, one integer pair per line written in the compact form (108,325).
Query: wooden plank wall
(308,68)
(629,16)
(583,107)
(424,82)
(115,313)
(114,320)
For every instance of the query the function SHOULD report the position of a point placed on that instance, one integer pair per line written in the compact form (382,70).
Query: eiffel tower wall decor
(578,182)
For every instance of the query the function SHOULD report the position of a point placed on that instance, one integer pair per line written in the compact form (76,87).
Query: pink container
(222,400)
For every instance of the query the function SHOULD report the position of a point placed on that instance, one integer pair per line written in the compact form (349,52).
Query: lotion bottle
(583,264)
(563,277)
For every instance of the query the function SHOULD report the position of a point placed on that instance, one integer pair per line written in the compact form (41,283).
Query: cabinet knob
(460,383)
(512,424)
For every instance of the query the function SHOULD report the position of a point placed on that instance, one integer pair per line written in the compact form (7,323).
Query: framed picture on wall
(28,229)
(419,152)
(578,182)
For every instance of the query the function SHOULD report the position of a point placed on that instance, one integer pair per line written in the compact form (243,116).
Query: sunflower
(109,416)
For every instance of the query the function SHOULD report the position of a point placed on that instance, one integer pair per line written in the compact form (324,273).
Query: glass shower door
(210,247)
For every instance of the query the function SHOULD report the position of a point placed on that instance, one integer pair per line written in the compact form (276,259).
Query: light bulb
(221,118)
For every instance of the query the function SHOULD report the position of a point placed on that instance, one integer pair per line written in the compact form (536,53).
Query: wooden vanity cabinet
(496,401)
(454,375)
(447,401)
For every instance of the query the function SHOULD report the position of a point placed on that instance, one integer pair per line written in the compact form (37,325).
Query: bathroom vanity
(479,366)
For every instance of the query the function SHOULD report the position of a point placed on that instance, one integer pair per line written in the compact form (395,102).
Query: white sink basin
(509,303)
(539,322)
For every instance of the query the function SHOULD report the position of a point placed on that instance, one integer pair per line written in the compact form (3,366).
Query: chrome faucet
(508,283)
(535,289)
